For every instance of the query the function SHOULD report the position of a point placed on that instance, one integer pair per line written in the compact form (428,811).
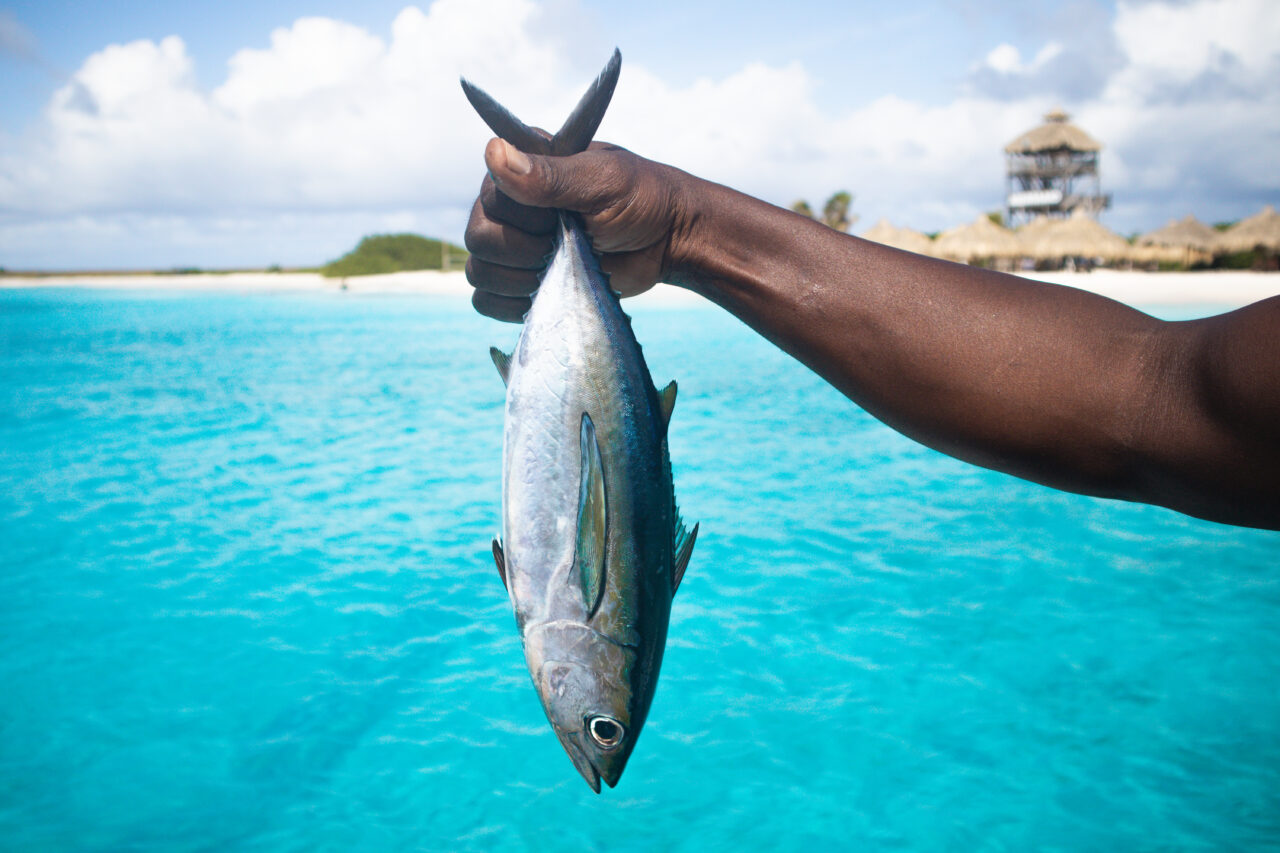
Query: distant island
(384,253)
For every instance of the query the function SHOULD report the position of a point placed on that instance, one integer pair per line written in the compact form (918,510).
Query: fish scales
(593,548)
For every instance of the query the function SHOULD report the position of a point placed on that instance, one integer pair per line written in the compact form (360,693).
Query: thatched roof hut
(1261,229)
(1076,237)
(980,239)
(899,238)
(1184,255)
(1187,233)
(1034,230)
(1056,134)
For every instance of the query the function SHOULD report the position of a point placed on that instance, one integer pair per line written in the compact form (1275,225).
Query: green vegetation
(835,213)
(802,207)
(384,253)
(997,217)
(1237,261)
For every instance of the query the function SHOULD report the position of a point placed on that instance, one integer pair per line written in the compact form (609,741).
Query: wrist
(732,248)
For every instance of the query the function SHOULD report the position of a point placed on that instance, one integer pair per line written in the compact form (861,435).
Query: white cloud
(1007,59)
(1179,42)
(333,129)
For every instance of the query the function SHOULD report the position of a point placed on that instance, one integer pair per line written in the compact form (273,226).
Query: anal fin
(502,361)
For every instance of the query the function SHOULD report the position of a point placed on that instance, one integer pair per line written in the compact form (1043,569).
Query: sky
(145,134)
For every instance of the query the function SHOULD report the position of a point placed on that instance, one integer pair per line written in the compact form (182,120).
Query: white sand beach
(1143,289)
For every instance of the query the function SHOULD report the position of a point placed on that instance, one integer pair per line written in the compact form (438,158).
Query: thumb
(564,182)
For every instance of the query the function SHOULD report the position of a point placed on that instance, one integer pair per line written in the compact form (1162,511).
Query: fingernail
(516,160)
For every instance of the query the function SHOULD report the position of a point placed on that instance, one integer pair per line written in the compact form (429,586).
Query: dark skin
(1044,382)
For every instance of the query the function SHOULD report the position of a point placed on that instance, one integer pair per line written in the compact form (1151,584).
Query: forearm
(1048,383)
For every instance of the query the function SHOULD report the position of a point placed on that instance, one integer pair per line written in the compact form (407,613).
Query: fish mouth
(581,761)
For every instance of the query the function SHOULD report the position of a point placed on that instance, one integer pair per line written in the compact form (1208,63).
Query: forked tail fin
(574,136)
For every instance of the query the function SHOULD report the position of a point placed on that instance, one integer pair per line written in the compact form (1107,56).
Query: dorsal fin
(684,550)
(667,400)
(500,560)
(574,136)
(593,520)
(502,361)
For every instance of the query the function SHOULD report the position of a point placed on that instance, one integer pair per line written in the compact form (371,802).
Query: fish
(592,546)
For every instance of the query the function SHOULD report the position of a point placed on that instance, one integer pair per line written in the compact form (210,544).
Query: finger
(630,273)
(500,280)
(505,308)
(582,182)
(504,244)
(500,207)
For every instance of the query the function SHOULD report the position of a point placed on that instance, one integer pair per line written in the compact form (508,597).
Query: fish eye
(605,731)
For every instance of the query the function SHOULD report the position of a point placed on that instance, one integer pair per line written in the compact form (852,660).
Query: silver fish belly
(593,547)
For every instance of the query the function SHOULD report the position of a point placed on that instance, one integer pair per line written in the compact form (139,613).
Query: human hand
(633,210)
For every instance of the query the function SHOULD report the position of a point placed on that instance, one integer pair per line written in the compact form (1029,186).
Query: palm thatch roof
(1188,232)
(1055,134)
(1077,237)
(1156,254)
(1261,229)
(899,238)
(1034,230)
(981,238)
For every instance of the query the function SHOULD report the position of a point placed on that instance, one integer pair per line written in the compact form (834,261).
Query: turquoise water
(247,604)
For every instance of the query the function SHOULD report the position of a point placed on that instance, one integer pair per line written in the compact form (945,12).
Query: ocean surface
(247,603)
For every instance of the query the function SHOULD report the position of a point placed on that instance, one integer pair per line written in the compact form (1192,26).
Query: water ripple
(248,604)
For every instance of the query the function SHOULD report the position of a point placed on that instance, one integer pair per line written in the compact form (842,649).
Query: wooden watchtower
(1052,170)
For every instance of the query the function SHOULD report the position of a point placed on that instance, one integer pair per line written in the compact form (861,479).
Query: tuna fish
(593,547)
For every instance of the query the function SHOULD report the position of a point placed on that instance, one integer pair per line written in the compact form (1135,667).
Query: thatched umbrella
(981,238)
(1261,229)
(899,238)
(1184,255)
(1077,237)
(1031,233)
(1188,233)
(1187,241)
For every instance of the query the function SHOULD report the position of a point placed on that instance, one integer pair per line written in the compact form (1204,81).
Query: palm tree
(802,207)
(835,213)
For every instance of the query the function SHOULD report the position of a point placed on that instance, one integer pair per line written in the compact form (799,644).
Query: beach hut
(980,241)
(1030,233)
(1187,241)
(1188,232)
(1261,229)
(1079,236)
(899,238)
(1184,256)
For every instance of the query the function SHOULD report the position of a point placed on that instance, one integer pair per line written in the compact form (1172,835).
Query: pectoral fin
(684,550)
(592,520)
(500,559)
(502,361)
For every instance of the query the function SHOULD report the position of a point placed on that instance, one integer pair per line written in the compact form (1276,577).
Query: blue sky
(149,134)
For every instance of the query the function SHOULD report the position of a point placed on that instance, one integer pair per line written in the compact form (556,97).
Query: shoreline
(1217,288)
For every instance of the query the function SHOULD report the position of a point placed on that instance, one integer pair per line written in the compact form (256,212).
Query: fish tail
(576,132)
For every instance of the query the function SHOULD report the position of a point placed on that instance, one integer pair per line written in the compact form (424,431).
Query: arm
(1044,382)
